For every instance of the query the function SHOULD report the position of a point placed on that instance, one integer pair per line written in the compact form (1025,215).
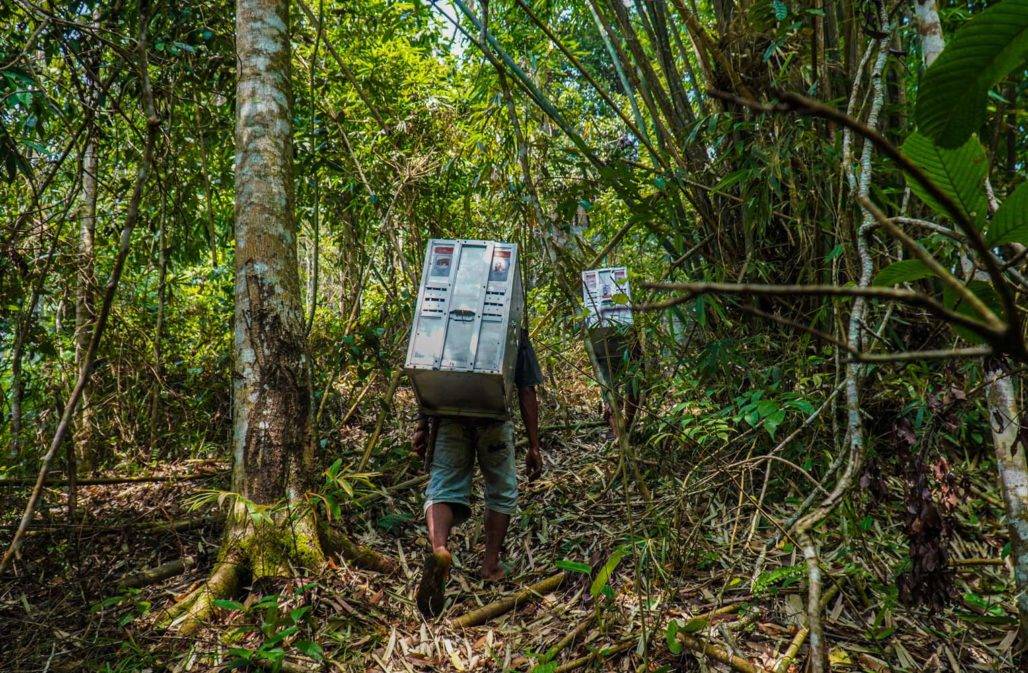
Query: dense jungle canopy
(214,225)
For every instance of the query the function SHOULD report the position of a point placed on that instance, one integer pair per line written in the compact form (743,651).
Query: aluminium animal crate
(467,325)
(608,324)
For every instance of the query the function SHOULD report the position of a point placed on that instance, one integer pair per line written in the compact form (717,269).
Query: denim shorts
(459,444)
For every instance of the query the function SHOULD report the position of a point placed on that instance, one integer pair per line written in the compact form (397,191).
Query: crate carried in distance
(608,324)
(467,324)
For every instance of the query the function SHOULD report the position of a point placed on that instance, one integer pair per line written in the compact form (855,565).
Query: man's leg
(496,458)
(439,517)
(449,487)
(495,531)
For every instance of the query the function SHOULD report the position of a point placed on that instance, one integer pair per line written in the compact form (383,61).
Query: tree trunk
(1013,473)
(926,15)
(269,528)
(84,305)
(158,351)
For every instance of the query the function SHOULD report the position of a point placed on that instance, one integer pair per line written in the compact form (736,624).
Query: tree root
(186,616)
(334,541)
(271,547)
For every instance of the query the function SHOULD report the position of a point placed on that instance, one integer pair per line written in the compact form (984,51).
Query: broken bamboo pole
(597,655)
(568,638)
(720,653)
(801,636)
(508,603)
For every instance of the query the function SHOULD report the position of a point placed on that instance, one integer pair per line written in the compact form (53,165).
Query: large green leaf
(960,173)
(603,576)
(1010,223)
(904,271)
(952,97)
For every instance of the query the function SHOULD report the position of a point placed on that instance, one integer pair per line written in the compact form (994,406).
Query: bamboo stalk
(508,603)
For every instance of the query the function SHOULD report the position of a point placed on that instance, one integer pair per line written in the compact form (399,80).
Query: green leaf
(904,271)
(960,173)
(574,566)
(1010,223)
(671,636)
(603,576)
(312,650)
(953,94)
(226,604)
(772,422)
(781,9)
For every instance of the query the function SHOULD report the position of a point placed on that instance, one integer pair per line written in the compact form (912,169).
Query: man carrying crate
(452,446)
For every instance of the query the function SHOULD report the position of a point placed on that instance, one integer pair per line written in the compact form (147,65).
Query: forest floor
(691,562)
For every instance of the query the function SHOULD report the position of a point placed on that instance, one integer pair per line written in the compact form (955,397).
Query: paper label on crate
(501,266)
(606,295)
(442,260)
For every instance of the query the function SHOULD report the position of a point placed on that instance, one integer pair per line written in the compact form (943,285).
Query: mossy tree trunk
(270,526)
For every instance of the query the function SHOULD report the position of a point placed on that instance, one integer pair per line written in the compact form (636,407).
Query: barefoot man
(459,444)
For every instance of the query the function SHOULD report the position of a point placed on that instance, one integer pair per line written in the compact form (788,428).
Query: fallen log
(173,526)
(107,481)
(142,578)
(508,603)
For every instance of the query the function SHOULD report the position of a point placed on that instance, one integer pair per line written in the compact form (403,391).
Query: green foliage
(278,628)
(953,96)
(772,580)
(960,173)
(903,271)
(674,628)
(574,566)
(1010,223)
(601,582)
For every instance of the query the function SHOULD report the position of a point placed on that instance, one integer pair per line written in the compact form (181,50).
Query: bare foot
(431,594)
(497,574)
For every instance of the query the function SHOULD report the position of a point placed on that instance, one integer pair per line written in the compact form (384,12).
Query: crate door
(426,344)
(467,298)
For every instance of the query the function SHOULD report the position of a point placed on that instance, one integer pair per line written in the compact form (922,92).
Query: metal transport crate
(608,324)
(467,323)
